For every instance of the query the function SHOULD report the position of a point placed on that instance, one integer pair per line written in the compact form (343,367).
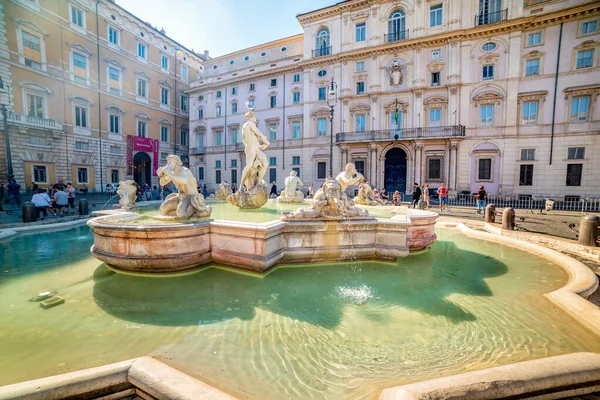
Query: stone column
(373,166)
(418,151)
(453,165)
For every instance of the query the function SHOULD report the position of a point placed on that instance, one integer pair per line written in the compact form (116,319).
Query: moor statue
(291,194)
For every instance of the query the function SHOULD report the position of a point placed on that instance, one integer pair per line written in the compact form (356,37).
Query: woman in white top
(42,203)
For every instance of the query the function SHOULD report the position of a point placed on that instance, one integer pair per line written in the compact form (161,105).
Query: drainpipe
(225,131)
(99,98)
(283,124)
(555,91)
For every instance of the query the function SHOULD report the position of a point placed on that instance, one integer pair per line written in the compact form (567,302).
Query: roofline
(145,23)
(322,8)
(267,44)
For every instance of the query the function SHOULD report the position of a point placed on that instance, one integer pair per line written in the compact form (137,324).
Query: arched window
(323,47)
(396,26)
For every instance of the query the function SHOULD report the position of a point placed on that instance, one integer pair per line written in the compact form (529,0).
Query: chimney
(162,30)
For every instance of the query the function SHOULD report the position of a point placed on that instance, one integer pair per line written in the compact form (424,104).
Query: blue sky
(224,26)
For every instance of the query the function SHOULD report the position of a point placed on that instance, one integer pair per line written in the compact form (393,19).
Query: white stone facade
(476,103)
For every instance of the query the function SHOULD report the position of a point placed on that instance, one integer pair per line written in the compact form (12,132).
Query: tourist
(42,203)
(2,189)
(147,192)
(61,201)
(14,194)
(376,194)
(205,191)
(480,196)
(384,195)
(274,189)
(311,191)
(416,194)
(34,187)
(396,198)
(233,188)
(155,193)
(426,196)
(71,192)
(84,189)
(60,185)
(443,193)
(166,190)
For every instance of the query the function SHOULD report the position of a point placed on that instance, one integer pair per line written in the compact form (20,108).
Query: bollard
(30,212)
(589,230)
(490,213)
(421,204)
(508,219)
(83,207)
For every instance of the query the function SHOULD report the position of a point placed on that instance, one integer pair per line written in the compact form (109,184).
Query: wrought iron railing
(322,51)
(33,121)
(535,203)
(402,134)
(491,18)
(197,150)
(395,36)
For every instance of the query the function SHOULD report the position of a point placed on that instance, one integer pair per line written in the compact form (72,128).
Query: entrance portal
(395,171)
(142,172)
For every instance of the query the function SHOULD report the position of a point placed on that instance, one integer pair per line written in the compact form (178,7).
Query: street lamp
(331,102)
(9,174)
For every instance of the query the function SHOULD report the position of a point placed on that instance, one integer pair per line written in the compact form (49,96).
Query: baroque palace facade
(93,94)
(500,93)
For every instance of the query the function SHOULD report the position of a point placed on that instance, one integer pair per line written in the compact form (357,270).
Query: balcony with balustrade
(322,51)
(14,118)
(196,151)
(491,17)
(437,132)
(395,36)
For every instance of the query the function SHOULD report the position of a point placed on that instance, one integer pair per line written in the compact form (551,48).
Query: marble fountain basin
(131,242)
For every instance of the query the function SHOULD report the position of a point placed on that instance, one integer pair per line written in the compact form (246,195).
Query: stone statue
(349,177)
(223,191)
(254,191)
(366,196)
(291,194)
(187,202)
(396,75)
(127,192)
(329,202)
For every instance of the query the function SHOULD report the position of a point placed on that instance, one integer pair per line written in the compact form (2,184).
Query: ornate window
(530,106)
(581,101)
(395,112)
(584,55)
(32,44)
(397,26)
(436,107)
(80,108)
(35,99)
(322,45)
(487,99)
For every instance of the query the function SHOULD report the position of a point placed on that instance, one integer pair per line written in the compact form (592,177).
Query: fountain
(333,228)
(223,191)
(365,196)
(127,195)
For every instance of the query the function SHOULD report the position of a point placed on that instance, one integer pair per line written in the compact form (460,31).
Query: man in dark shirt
(274,189)
(481,195)
(416,194)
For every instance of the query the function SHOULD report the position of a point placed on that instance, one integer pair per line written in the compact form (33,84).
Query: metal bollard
(508,219)
(30,212)
(83,207)
(421,204)
(490,213)
(589,230)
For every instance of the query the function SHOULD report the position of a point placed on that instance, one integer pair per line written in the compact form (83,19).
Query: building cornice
(521,24)
(344,6)
(290,39)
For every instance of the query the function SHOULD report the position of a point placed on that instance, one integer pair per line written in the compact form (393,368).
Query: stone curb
(7,233)
(548,378)
(153,378)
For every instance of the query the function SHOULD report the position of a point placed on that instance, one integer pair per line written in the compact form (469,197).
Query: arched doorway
(142,172)
(395,171)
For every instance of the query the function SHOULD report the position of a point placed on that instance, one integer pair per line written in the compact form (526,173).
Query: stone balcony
(438,132)
(34,122)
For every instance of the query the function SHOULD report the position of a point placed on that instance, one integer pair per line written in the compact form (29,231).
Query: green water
(338,331)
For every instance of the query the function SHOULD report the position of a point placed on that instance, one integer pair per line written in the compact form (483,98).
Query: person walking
(61,201)
(443,193)
(155,193)
(426,195)
(480,196)
(273,190)
(14,193)
(42,203)
(416,195)
(2,189)
(311,191)
(71,192)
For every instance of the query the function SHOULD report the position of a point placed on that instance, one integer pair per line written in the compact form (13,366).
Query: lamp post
(9,174)
(331,102)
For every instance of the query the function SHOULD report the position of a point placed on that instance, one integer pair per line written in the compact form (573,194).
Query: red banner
(142,144)
(129,155)
(155,145)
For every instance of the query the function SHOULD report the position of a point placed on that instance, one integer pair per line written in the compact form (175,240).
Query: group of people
(60,200)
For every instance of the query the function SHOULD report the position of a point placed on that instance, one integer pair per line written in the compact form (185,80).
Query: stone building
(500,93)
(94,95)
